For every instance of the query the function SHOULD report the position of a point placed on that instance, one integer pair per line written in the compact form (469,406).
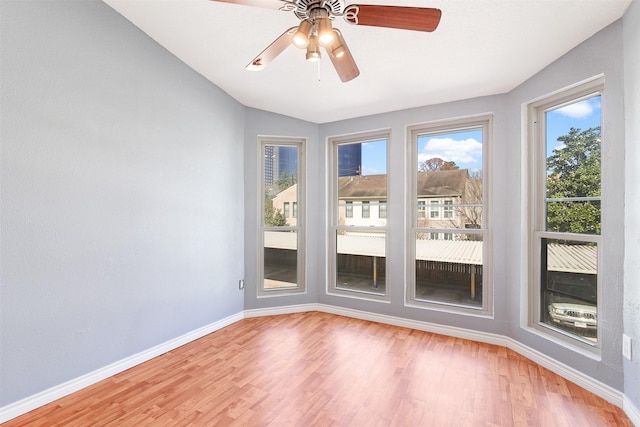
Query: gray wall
(121,203)
(262,123)
(631,25)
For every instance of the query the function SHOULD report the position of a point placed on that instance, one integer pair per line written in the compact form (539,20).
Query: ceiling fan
(316,30)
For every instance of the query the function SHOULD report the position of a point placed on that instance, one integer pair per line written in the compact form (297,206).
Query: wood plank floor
(318,369)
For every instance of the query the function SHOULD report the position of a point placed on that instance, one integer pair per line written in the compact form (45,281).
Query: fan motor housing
(304,7)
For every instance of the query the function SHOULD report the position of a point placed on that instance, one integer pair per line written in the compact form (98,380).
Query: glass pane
(280,259)
(449,268)
(570,286)
(280,185)
(574,216)
(362,183)
(449,180)
(361,261)
(573,187)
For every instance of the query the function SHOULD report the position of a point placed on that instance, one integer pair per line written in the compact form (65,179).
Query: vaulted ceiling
(481,47)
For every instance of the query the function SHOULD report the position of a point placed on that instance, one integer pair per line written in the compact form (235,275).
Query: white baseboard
(596,387)
(632,411)
(47,396)
(274,311)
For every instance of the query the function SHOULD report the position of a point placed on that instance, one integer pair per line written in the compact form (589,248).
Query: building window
(281,263)
(382,209)
(358,245)
(422,207)
(434,210)
(565,196)
(349,209)
(449,264)
(448,209)
(366,213)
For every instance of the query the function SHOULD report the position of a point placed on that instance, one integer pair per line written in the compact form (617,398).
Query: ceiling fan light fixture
(338,47)
(313,49)
(325,32)
(301,36)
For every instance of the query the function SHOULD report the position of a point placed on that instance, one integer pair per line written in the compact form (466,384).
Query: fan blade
(405,18)
(283,5)
(272,51)
(344,64)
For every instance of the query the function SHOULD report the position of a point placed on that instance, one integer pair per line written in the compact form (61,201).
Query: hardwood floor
(318,369)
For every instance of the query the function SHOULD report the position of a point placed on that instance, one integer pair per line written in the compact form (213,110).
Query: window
(366,213)
(349,209)
(382,209)
(565,195)
(281,264)
(434,211)
(448,209)
(449,261)
(422,207)
(358,243)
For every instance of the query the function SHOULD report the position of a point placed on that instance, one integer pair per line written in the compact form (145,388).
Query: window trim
(299,228)
(484,121)
(333,205)
(534,141)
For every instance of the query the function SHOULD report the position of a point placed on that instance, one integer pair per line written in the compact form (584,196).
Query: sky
(582,115)
(465,147)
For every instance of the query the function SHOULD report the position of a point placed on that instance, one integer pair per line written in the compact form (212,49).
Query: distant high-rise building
(279,161)
(270,165)
(350,160)
(287,161)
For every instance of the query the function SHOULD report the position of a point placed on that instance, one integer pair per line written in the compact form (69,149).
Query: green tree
(273,217)
(573,171)
(285,181)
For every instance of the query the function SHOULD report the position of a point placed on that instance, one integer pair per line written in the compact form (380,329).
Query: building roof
(362,187)
(442,183)
(563,258)
(430,184)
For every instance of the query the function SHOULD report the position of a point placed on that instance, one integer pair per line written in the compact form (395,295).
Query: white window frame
(299,227)
(534,149)
(334,226)
(485,122)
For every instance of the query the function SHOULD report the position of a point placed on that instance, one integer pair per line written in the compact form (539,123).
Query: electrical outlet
(626,346)
(241,284)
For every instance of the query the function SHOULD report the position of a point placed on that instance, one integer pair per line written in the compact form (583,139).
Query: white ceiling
(481,47)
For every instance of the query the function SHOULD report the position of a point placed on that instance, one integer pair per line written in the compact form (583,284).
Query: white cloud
(465,152)
(579,110)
